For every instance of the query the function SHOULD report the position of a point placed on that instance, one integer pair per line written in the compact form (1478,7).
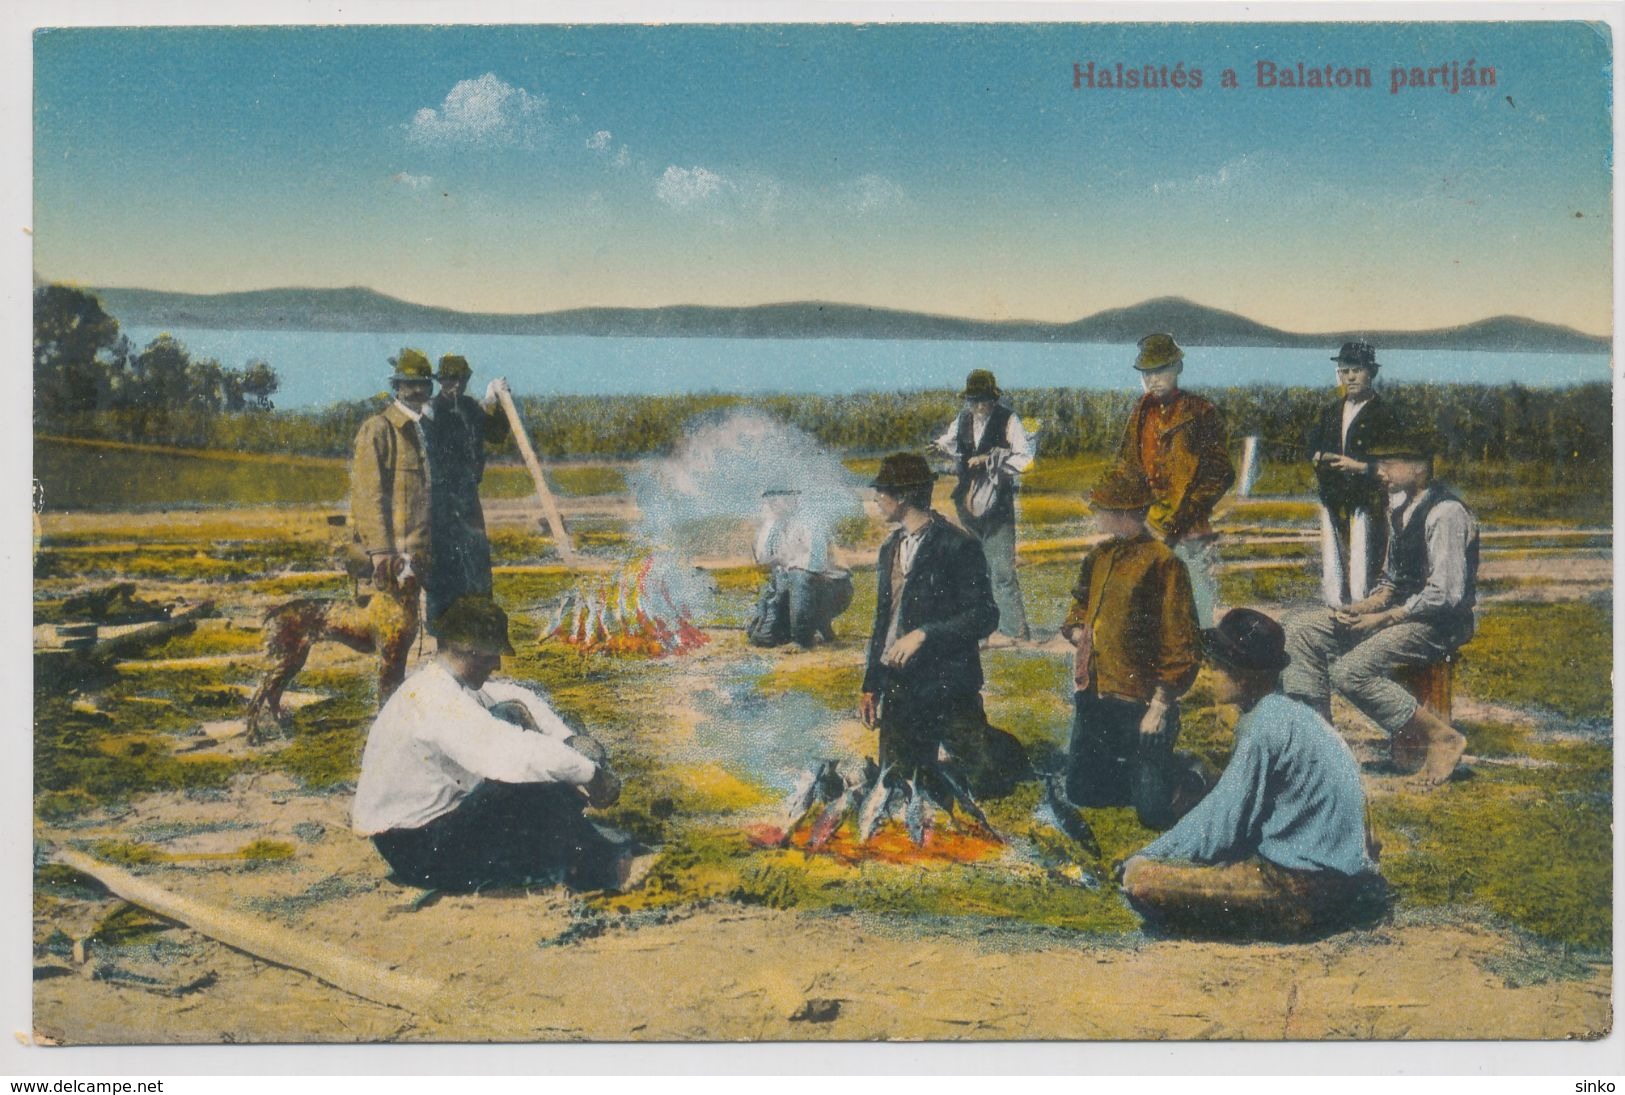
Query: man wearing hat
(804,592)
(922,681)
(990,450)
(468,781)
(1420,611)
(1177,441)
(1133,624)
(460,430)
(1280,847)
(1354,505)
(390,481)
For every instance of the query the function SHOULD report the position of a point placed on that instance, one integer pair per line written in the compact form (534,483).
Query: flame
(620,614)
(889,844)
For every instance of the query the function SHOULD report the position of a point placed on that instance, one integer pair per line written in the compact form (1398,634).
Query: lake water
(319,367)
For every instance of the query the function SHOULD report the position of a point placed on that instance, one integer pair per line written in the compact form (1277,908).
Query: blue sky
(950,169)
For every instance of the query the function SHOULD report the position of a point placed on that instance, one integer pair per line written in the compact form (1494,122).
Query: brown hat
(903,471)
(411,364)
(1158,351)
(1248,640)
(1121,488)
(980,384)
(453,367)
(475,624)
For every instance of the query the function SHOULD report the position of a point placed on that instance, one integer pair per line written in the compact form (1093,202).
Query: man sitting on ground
(467,782)
(1279,848)
(1419,613)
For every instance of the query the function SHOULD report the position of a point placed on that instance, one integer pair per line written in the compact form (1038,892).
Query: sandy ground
(727,972)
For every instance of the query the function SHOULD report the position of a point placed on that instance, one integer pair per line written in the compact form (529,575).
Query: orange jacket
(1193,470)
(1136,595)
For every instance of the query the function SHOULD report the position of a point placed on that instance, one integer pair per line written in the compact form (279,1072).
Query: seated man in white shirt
(804,592)
(467,782)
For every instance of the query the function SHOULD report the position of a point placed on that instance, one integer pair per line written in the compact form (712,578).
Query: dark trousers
(1109,763)
(988,760)
(798,605)
(505,834)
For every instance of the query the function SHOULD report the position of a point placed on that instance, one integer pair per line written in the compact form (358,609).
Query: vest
(1408,552)
(995,435)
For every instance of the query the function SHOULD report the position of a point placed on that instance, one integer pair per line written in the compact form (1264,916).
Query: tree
(259,383)
(74,342)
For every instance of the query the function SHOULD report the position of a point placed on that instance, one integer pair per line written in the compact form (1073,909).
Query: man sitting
(1279,847)
(467,782)
(803,593)
(1420,611)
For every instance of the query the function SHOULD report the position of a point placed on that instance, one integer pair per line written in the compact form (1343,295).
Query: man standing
(1279,848)
(467,782)
(804,593)
(1133,625)
(1419,613)
(1355,518)
(923,677)
(1177,441)
(991,450)
(390,481)
(460,430)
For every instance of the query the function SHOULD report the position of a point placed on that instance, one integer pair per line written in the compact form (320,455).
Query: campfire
(634,611)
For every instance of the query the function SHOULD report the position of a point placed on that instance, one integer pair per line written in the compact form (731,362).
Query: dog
(384,622)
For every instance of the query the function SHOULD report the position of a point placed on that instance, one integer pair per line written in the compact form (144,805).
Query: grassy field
(1525,847)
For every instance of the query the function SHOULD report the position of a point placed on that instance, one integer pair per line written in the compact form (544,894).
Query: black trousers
(505,834)
(1109,763)
(990,761)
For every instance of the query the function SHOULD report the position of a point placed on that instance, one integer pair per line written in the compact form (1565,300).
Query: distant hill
(361,309)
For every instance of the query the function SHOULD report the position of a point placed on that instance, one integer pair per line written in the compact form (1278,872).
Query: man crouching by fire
(923,679)
(469,782)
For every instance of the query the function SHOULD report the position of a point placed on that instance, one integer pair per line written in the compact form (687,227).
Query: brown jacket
(389,487)
(1194,468)
(1136,594)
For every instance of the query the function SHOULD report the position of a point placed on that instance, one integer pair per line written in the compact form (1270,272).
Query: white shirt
(1350,410)
(1012,461)
(434,742)
(788,542)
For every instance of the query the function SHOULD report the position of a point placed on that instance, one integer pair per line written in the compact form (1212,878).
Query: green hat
(475,624)
(411,364)
(1405,445)
(1158,351)
(903,471)
(1121,488)
(453,367)
(981,385)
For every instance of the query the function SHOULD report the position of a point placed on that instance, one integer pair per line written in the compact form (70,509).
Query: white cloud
(690,187)
(872,194)
(410,181)
(485,111)
(720,198)
(600,141)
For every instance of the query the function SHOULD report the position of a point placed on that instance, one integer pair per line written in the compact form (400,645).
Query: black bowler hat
(902,471)
(980,384)
(1358,355)
(1405,445)
(1247,640)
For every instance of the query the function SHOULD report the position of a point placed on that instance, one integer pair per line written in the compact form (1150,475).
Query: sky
(952,169)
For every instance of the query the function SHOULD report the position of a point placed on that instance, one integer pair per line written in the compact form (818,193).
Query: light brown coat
(389,487)
(1192,470)
(1136,596)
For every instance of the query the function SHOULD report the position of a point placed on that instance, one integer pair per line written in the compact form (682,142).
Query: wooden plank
(550,508)
(266,941)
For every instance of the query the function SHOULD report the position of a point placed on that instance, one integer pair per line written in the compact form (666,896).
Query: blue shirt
(1291,794)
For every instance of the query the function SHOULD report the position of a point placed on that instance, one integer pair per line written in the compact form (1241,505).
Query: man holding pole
(460,429)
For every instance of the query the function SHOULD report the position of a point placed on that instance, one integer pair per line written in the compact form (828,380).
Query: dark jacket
(1340,491)
(1192,470)
(457,434)
(949,596)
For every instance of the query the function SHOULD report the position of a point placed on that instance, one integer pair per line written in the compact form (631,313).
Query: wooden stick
(269,942)
(550,508)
